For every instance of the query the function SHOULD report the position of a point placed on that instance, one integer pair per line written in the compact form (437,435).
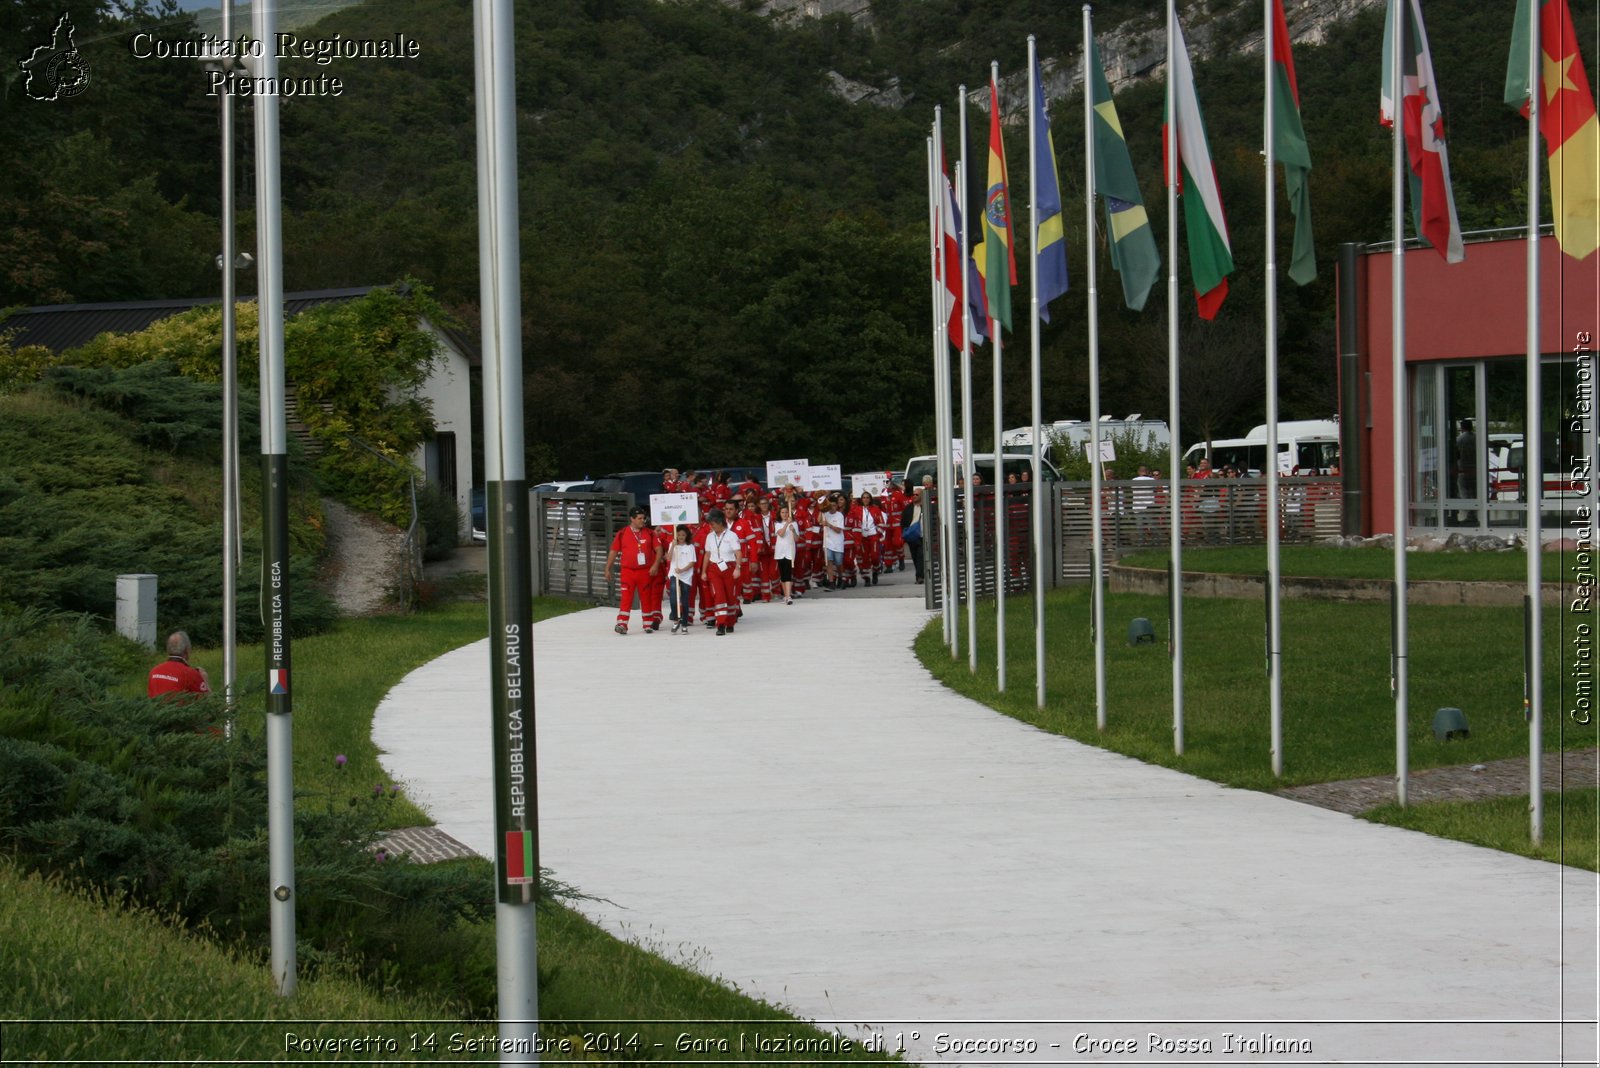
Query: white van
(1075,433)
(1312,445)
(1014,463)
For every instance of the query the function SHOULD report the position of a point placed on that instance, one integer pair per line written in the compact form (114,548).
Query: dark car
(639,483)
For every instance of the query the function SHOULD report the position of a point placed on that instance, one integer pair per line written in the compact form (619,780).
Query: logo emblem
(995,208)
(57,70)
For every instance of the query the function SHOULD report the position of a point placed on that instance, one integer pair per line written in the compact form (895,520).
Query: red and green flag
(1566,119)
(1289,146)
(519,865)
(1210,257)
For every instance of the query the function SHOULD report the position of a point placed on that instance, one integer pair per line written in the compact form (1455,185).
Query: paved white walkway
(833,831)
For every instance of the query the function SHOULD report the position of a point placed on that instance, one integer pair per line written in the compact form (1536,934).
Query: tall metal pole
(1274,560)
(1035,503)
(510,560)
(935,239)
(999,467)
(1097,602)
(274,515)
(1175,476)
(1533,453)
(948,556)
(968,431)
(1397,391)
(230,408)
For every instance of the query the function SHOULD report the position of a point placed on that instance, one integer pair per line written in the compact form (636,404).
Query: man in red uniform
(656,589)
(174,675)
(894,544)
(636,547)
(749,531)
(719,573)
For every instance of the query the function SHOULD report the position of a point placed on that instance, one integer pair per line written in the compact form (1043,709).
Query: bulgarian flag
(996,261)
(1567,120)
(1433,203)
(1289,146)
(1210,258)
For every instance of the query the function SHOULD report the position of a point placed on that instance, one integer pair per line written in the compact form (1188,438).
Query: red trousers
(719,596)
(637,581)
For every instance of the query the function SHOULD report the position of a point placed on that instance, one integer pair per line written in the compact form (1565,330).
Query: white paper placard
(670,509)
(824,477)
(1108,451)
(872,482)
(781,473)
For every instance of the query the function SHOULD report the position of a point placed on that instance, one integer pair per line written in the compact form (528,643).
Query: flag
(1049,243)
(1289,146)
(994,257)
(1210,258)
(951,256)
(1433,203)
(1567,121)
(519,858)
(1133,244)
(277,681)
(977,299)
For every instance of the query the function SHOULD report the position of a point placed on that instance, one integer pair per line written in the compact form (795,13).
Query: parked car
(640,484)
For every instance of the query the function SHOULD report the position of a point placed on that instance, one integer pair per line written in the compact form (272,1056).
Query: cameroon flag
(1567,121)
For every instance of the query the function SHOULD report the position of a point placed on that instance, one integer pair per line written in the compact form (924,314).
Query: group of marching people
(752,544)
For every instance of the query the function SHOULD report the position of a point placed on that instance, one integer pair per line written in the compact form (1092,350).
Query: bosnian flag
(1210,257)
(278,680)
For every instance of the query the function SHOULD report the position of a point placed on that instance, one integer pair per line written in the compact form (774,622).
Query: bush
(138,797)
(441,522)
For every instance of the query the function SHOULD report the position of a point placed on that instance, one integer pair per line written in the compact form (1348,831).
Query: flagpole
(1097,625)
(1533,456)
(949,560)
(1274,515)
(1035,511)
(1175,478)
(1397,391)
(941,438)
(999,466)
(966,396)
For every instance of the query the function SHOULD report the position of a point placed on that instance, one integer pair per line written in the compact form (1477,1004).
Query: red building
(1466,385)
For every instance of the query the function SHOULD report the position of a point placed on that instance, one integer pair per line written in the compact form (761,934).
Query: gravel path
(365,558)
(1574,768)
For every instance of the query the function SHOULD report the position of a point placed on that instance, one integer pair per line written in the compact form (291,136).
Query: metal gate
(572,533)
(1135,515)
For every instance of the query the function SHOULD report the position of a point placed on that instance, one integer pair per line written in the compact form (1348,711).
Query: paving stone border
(1573,769)
(425,845)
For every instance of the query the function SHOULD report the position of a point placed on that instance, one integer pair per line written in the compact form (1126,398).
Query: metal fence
(572,533)
(1136,514)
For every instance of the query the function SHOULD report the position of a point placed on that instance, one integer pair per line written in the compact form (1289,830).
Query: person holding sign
(719,574)
(636,547)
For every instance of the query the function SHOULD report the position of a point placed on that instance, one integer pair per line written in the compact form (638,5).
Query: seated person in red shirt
(174,675)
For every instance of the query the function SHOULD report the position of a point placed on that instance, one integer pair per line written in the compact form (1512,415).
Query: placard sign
(670,509)
(824,477)
(781,473)
(872,482)
(958,451)
(1108,451)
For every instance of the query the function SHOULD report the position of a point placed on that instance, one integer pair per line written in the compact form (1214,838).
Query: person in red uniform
(657,587)
(174,675)
(894,545)
(636,547)
(748,529)
(767,569)
(719,573)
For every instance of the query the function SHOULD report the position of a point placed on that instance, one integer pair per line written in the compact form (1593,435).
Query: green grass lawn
(170,996)
(339,678)
(1369,563)
(1338,714)
(1571,829)
(84,959)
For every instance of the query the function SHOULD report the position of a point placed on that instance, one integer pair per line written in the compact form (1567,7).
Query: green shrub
(140,797)
(441,522)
